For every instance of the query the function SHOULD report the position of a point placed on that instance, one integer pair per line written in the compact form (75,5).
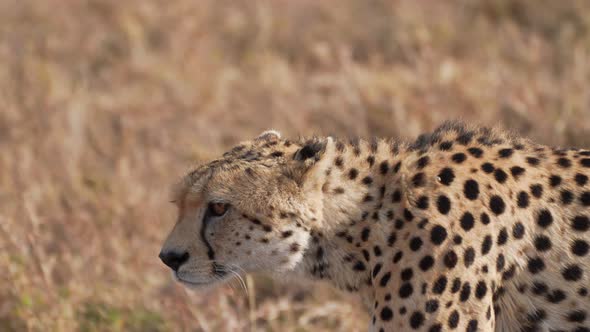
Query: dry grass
(104,103)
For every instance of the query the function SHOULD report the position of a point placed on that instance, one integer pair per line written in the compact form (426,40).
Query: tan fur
(388,222)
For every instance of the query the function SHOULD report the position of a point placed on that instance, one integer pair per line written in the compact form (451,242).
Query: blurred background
(105,103)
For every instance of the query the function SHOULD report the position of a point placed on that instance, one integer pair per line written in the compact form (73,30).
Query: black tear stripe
(204,222)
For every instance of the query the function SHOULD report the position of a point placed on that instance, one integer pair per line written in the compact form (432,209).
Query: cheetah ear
(310,161)
(313,149)
(268,136)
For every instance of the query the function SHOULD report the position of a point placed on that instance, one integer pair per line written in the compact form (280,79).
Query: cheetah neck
(359,188)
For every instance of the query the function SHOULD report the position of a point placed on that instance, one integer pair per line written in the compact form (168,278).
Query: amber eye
(218,209)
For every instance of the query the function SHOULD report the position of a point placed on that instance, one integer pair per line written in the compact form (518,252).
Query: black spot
(564,162)
(416,320)
(567,197)
(367,180)
(581,223)
(554,180)
(485,219)
(535,265)
(500,175)
(391,239)
(407,274)
(397,257)
(476,152)
(537,190)
(399,224)
(471,189)
(532,161)
(423,162)
(456,285)
(359,266)
(371,160)
(572,273)
(581,179)
(386,314)
(542,243)
(539,288)
(439,285)
(516,171)
(435,328)
(580,248)
(377,251)
(457,239)
(467,221)
(505,153)
(353,173)
(438,234)
(446,145)
(416,243)
(518,230)
(405,290)
(365,234)
(431,306)
(544,219)
(486,245)
(450,259)
(426,263)
(422,202)
(446,176)
(497,205)
(469,256)
(465,292)
(585,162)
(577,316)
(487,167)
(453,319)
(383,167)
(585,198)
(459,157)
(471,326)
(396,197)
(522,199)
(418,180)
(556,296)
(385,279)
(443,204)
(408,215)
(502,236)
(481,289)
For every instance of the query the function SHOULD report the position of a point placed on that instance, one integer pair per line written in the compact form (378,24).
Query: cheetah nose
(174,259)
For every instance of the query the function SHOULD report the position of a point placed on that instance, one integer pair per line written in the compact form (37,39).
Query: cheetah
(465,229)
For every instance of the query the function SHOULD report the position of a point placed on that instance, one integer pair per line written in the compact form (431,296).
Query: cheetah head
(252,210)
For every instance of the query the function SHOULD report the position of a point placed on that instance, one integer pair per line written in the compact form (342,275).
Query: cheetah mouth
(193,284)
(218,278)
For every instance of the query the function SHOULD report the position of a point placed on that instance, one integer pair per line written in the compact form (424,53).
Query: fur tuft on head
(269,136)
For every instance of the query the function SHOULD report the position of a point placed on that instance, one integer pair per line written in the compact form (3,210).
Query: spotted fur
(466,229)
